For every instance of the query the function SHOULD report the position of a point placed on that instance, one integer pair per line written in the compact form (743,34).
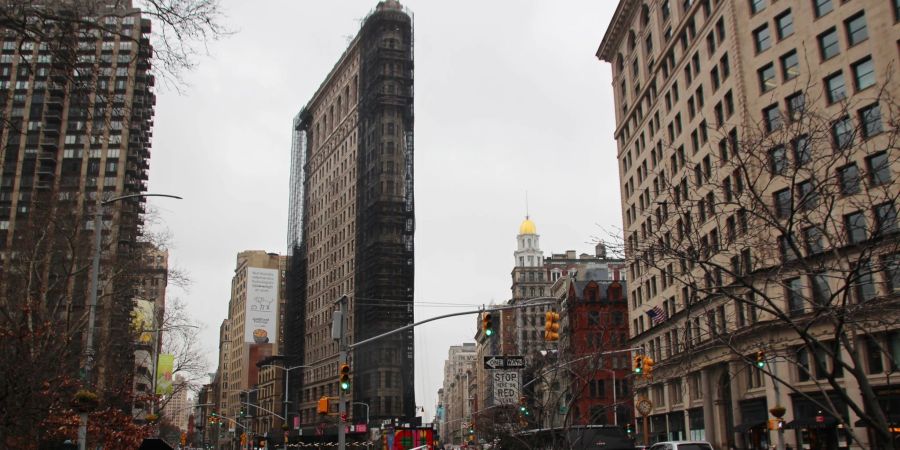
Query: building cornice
(616,29)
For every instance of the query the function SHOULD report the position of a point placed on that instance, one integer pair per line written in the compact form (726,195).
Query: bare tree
(182,28)
(42,323)
(181,338)
(783,246)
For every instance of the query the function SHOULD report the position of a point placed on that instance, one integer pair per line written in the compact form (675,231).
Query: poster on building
(262,306)
(164,365)
(142,320)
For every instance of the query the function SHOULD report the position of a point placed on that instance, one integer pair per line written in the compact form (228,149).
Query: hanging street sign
(495,362)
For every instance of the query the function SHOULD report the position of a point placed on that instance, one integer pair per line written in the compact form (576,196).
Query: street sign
(496,362)
(515,362)
(506,387)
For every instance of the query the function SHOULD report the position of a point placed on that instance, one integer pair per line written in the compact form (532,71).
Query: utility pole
(342,359)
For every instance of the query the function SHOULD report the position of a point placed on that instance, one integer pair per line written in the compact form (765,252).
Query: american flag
(657,315)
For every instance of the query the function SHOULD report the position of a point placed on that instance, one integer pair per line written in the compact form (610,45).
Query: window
(822,7)
(870,118)
(807,197)
(855,223)
(755,378)
(873,355)
(762,38)
(772,116)
(794,294)
(864,284)
(864,73)
(812,238)
(802,152)
(835,86)
(849,179)
(821,292)
(790,65)
(828,44)
(785,23)
(879,169)
(842,133)
(766,77)
(778,160)
(786,247)
(885,218)
(856,29)
(803,369)
(892,272)
(782,203)
(757,6)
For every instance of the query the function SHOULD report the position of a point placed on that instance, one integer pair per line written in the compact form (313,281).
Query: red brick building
(594,343)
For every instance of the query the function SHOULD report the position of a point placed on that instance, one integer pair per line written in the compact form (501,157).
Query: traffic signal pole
(342,393)
(339,333)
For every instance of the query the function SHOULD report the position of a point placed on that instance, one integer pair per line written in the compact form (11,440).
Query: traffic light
(322,406)
(760,359)
(523,406)
(243,439)
(551,326)
(648,367)
(638,364)
(344,376)
(243,413)
(487,323)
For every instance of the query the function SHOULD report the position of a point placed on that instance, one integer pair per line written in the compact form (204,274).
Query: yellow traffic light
(551,326)
(322,406)
(760,359)
(243,439)
(648,367)
(487,323)
(638,364)
(344,376)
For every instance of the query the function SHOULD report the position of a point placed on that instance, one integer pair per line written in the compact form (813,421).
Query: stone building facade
(735,119)
(353,222)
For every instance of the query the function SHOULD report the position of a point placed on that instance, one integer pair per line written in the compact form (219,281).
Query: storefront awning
(747,426)
(893,419)
(810,422)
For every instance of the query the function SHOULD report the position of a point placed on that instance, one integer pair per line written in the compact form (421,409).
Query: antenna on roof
(526,204)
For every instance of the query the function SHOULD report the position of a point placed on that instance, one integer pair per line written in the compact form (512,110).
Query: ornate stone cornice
(616,29)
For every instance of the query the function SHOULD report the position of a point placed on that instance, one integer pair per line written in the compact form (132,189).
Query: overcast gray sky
(509,98)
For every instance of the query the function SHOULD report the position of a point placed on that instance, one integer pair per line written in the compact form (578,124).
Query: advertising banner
(142,319)
(262,306)
(164,374)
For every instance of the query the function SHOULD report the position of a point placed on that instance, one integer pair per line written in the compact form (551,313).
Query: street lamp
(615,402)
(287,376)
(92,301)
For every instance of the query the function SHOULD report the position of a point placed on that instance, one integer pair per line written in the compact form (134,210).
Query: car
(682,445)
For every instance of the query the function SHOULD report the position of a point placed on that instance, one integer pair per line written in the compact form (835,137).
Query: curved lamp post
(287,375)
(92,300)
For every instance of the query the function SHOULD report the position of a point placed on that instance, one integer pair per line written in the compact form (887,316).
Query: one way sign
(504,362)
(494,362)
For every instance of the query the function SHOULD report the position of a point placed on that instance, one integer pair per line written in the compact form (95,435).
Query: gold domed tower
(528,252)
(527,227)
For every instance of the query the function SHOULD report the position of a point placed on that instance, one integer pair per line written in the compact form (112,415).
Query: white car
(682,445)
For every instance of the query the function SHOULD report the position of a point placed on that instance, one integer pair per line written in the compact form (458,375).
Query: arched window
(632,41)
(620,64)
(645,16)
